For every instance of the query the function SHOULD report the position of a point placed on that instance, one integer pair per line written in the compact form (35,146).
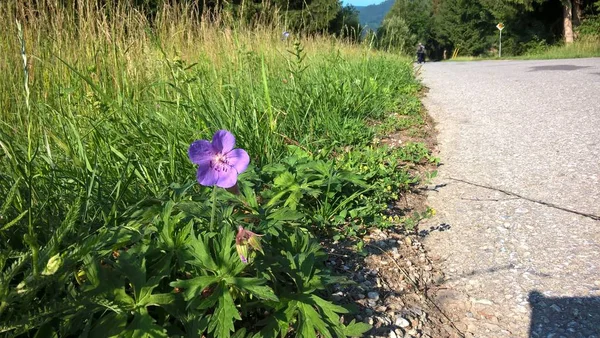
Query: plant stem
(213,212)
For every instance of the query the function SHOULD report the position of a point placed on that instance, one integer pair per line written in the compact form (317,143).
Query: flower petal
(206,175)
(200,151)
(238,159)
(227,179)
(223,141)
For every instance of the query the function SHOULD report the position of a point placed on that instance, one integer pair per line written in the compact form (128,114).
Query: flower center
(220,163)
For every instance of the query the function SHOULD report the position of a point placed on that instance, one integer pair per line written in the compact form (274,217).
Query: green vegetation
(105,231)
(451,28)
(589,47)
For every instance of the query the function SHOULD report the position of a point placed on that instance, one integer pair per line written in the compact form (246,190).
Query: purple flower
(218,163)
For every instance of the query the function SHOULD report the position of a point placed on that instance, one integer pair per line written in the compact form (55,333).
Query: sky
(362,2)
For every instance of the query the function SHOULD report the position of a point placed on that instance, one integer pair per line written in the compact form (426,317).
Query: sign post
(500,27)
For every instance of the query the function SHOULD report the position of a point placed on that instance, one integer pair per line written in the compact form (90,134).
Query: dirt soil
(395,279)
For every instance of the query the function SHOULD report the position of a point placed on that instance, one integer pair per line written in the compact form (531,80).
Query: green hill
(372,15)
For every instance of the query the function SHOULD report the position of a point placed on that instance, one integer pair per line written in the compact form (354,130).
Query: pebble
(555,308)
(360,296)
(483,301)
(373,295)
(401,322)
(336,297)
(384,321)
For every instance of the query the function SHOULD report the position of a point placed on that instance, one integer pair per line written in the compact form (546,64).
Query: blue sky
(361,2)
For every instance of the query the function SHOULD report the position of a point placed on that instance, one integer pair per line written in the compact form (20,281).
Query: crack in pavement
(510,193)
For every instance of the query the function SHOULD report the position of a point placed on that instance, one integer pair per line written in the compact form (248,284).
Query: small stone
(373,295)
(369,320)
(384,321)
(408,241)
(555,308)
(360,296)
(369,312)
(336,297)
(401,322)
(483,301)
(393,334)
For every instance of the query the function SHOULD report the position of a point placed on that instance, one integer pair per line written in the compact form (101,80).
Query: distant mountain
(373,15)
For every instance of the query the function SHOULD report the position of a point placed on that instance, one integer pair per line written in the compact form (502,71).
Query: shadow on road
(557,67)
(564,317)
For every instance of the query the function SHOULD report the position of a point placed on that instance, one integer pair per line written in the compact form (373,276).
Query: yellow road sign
(500,26)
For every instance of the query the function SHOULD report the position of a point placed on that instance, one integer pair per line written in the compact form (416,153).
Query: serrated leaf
(223,319)
(310,321)
(198,248)
(147,289)
(330,312)
(294,199)
(278,323)
(355,329)
(285,214)
(143,326)
(328,306)
(109,325)
(193,287)
(284,180)
(255,286)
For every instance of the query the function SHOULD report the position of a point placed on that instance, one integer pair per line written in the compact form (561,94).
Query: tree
(568,20)
(407,23)
(346,23)
(463,24)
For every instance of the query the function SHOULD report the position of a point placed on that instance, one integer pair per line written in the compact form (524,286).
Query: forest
(468,27)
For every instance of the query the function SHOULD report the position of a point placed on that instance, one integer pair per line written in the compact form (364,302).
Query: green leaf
(143,326)
(14,221)
(160,299)
(329,308)
(255,286)
(225,314)
(294,199)
(285,214)
(193,287)
(146,290)
(199,249)
(109,325)
(309,321)
(356,329)
(278,323)
(284,180)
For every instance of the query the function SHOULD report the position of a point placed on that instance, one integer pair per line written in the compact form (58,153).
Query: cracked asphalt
(514,267)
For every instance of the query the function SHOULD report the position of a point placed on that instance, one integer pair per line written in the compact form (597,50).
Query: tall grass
(588,46)
(116,99)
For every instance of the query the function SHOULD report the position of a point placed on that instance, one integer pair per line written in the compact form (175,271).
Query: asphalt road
(525,263)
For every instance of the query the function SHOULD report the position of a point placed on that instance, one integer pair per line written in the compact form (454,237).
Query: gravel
(530,128)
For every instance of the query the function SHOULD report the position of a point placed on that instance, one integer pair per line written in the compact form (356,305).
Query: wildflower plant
(106,233)
(226,280)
